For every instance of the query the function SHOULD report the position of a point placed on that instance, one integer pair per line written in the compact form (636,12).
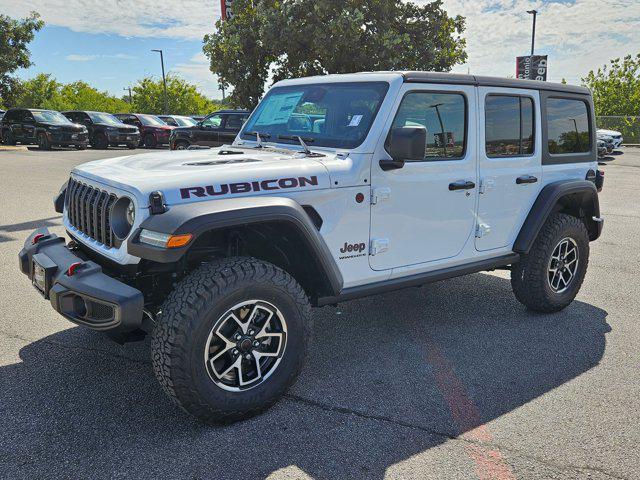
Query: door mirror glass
(407,143)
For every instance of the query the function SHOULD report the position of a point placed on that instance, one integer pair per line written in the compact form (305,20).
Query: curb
(18,148)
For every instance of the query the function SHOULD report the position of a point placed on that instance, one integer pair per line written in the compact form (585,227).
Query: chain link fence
(629,126)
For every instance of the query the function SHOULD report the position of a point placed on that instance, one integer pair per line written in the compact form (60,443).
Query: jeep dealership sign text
(532,67)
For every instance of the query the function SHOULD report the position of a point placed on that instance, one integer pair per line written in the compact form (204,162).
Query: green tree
(183,97)
(41,91)
(15,36)
(305,37)
(616,87)
(81,96)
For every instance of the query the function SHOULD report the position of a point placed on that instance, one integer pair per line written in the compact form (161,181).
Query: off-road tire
(529,277)
(190,312)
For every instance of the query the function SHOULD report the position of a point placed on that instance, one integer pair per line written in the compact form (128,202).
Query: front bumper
(88,297)
(66,139)
(123,139)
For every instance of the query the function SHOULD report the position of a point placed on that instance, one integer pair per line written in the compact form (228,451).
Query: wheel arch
(273,229)
(578,198)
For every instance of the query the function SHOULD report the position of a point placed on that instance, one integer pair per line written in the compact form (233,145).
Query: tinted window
(150,120)
(234,122)
(336,115)
(12,115)
(443,115)
(567,126)
(508,126)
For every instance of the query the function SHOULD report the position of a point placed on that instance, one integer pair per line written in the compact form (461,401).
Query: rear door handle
(526,179)
(462,185)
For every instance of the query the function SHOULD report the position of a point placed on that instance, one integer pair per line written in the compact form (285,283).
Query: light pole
(164,80)
(444,138)
(130,99)
(533,33)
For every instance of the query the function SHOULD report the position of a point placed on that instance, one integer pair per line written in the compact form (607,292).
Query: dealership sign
(532,67)
(225,9)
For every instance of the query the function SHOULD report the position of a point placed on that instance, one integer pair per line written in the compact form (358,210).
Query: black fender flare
(200,217)
(546,203)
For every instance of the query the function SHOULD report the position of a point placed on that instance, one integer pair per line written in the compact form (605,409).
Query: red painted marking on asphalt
(490,464)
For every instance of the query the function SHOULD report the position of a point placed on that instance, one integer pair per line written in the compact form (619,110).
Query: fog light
(79,306)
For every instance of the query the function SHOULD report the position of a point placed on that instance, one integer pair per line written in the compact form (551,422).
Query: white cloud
(74,57)
(196,71)
(578,36)
(185,19)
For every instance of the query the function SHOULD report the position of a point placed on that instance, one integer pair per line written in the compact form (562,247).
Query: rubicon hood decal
(246,187)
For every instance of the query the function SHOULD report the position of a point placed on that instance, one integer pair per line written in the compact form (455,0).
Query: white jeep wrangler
(337,187)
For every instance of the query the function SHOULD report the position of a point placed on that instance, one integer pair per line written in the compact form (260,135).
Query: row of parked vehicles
(79,129)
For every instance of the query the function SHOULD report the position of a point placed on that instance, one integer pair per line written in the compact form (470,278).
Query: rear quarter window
(567,126)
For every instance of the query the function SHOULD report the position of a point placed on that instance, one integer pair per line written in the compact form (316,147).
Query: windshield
(107,118)
(185,121)
(48,116)
(335,115)
(151,120)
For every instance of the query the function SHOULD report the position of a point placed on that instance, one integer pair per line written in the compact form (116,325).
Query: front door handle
(462,185)
(526,179)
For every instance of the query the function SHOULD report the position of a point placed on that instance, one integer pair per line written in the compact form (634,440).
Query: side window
(444,115)
(508,126)
(567,126)
(26,117)
(234,122)
(214,121)
(169,121)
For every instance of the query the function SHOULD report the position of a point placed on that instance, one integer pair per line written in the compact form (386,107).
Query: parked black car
(216,129)
(105,130)
(178,120)
(153,131)
(47,128)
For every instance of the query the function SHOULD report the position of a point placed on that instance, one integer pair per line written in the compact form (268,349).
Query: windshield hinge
(380,194)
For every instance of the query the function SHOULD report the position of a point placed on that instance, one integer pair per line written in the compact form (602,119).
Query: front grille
(89,210)
(127,131)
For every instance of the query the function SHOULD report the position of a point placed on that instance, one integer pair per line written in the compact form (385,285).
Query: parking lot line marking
(489,462)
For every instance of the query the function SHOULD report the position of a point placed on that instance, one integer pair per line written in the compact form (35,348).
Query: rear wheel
(150,141)
(548,278)
(43,142)
(180,145)
(231,339)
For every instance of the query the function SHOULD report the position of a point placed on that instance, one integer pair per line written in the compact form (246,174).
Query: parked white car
(617,136)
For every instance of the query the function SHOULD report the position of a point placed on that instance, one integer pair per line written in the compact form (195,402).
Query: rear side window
(508,126)
(443,115)
(567,126)
(235,122)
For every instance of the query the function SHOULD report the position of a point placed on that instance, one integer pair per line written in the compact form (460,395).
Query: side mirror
(405,143)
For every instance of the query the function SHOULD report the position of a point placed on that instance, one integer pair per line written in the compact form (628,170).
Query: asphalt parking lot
(454,380)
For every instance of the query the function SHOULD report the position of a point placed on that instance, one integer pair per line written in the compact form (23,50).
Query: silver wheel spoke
(563,265)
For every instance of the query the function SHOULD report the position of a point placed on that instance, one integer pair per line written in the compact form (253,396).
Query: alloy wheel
(245,345)
(563,265)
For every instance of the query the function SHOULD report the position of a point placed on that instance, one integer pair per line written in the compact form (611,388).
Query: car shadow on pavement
(387,378)
(28,226)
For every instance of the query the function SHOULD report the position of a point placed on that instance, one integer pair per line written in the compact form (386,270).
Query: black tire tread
(181,312)
(528,278)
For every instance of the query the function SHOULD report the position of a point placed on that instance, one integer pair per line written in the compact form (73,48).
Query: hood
(199,175)
(68,127)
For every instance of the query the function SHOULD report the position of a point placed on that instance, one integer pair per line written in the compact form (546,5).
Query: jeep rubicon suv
(336,187)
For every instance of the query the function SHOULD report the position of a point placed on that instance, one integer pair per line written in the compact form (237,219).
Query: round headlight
(122,217)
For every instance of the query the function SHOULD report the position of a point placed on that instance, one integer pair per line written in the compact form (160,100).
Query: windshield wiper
(299,139)
(259,136)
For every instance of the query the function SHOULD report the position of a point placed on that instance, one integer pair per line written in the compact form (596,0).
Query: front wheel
(231,339)
(548,278)
(150,141)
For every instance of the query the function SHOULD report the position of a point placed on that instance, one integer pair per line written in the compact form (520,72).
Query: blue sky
(107,42)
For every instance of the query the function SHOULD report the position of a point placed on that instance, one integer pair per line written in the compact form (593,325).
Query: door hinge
(379,245)
(380,194)
(482,230)
(485,185)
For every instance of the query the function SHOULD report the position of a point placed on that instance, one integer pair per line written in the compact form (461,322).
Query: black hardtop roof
(484,81)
